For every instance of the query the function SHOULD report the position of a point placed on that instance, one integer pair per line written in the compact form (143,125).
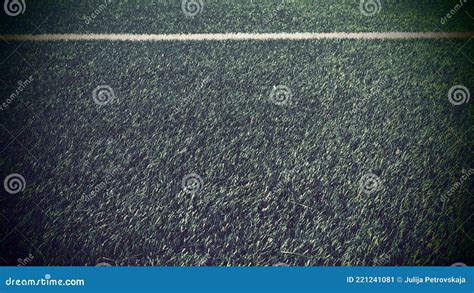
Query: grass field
(362,160)
(165,16)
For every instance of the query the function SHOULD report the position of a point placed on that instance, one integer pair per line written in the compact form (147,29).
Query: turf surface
(280,183)
(166,16)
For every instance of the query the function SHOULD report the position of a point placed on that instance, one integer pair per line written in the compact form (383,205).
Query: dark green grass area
(281,183)
(166,16)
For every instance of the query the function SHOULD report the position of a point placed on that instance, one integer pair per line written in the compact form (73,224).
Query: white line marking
(239,36)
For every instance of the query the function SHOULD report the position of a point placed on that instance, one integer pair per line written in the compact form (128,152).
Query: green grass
(165,16)
(358,107)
